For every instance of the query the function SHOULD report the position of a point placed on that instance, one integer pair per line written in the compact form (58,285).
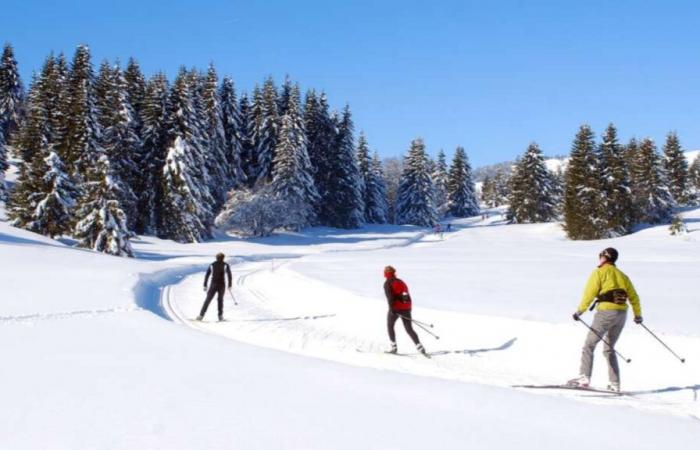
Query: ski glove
(576,316)
(638,320)
(205,288)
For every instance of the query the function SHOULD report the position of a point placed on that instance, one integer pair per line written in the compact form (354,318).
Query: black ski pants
(405,316)
(219,289)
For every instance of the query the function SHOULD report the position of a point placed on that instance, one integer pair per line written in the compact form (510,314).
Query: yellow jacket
(606,278)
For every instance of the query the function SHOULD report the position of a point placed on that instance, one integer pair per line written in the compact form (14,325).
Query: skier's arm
(634,298)
(387,291)
(206,277)
(590,292)
(230,278)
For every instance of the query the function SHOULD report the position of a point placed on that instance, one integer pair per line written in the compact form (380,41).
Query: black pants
(391,319)
(214,289)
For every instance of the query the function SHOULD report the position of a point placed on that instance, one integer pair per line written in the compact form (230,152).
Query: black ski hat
(610,254)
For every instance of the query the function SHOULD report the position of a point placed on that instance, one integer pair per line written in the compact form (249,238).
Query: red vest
(401,300)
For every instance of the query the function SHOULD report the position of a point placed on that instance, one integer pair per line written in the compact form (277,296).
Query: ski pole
(232,297)
(420,325)
(603,339)
(419,322)
(663,343)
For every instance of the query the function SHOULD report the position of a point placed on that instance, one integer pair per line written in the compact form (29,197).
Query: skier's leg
(617,323)
(210,295)
(220,300)
(390,321)
(409,326)
(589,346)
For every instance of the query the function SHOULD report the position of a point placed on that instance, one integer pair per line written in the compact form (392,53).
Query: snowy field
(101,352)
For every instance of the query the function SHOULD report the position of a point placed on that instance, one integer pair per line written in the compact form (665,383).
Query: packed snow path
(281,308)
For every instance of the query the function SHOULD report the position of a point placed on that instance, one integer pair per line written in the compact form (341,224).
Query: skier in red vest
(399,306)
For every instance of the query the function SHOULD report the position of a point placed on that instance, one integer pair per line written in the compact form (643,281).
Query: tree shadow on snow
(474,352)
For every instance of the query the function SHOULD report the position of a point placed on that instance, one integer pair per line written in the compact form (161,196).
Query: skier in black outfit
(399,306)
(216,270)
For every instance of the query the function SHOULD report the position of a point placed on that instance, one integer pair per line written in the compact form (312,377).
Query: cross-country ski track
(282,309)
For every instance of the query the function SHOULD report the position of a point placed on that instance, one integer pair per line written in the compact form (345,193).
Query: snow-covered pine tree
(584,201)
(321,135)
(694,176)
(55,201)
(284,97)
(676,166)
(266,129)
(119,137)
(460,187)
(488,188)
(186,213)
(235,133)
(217,161)
(135,90)
(246,131)
(615,181)
(652,198)
(151,156)
(342,205)
(292,178)
(102,224)
(376,207)
(414,202)
(11,101)
(80,145)
(392,168)
(363,163)
(440,181)
(533,196)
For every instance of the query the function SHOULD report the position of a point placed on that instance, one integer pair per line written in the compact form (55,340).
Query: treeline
(108,155)
(606,189)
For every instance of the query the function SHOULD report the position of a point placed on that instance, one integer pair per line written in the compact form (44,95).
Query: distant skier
(611,289)
(217,271)
(399,306)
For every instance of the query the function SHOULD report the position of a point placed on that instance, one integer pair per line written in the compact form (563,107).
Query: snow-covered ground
(101,352)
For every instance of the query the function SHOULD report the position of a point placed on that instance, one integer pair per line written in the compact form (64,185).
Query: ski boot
(221,318)
(582,381)
(199,318)
(421,350)
(393,349)
(614,387)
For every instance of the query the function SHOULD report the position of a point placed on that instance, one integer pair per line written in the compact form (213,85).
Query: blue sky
(491,76)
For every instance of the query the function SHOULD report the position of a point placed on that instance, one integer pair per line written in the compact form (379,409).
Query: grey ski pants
(608,324)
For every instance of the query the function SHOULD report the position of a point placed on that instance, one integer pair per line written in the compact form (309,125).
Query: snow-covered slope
(94,360)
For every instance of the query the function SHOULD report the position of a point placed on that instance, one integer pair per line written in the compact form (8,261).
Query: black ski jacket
(216,272)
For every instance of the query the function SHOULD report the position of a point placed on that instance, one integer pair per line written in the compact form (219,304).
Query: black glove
(638,320)
(576,316)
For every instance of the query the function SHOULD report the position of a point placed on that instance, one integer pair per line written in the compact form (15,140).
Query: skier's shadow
(475,352)
(668,389)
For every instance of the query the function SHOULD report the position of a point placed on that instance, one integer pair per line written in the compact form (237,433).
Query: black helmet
(610,254)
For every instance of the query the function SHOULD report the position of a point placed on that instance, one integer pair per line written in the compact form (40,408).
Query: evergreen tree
(321,135)
(102,224)
(694,175)
(291,176)
(151,156)
(414,202)
(119,138)
(80,147)
(246,132)
(266,119)
(186,213)
(11,102)
(440,181)
(235,133)
(135,91)
(284,97)
(584,201)
(392,169)
(216,159)
(676,166)
(376,207)
(363,163)
(55,199)
(652,197)
(460,187)
(533,197)
(615,182)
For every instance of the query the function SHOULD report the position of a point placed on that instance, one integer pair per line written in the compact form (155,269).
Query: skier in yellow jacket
(611,290)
